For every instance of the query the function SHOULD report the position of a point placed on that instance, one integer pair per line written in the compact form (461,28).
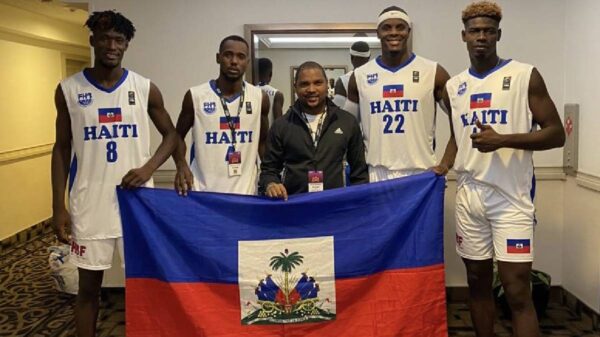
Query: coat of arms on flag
(295,281)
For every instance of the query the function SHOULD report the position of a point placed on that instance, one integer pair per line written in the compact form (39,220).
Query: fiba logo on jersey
(506,83)
(209,107)
(84,99)
(372,78)
(415,76)
(131,96)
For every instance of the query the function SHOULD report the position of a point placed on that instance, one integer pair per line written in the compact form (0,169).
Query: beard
(231,78)
(316,108)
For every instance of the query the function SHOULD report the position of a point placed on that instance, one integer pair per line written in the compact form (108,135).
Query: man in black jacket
(310,141)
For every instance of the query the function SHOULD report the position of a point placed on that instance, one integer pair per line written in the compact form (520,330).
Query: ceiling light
(324,39)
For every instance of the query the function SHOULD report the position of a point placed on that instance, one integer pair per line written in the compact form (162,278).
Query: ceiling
(71,11)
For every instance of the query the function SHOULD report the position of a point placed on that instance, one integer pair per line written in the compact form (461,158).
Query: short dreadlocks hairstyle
(484,8)
(107,20)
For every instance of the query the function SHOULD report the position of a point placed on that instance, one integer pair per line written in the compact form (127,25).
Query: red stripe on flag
(109,119)
(392,94)
(406,302)
(482,104)
(515,250)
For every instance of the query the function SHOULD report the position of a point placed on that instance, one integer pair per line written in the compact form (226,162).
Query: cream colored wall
(33,50)
(30,75)
(581,257)
(25,197)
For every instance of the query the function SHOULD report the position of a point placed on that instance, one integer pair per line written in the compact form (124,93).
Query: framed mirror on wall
(289,45)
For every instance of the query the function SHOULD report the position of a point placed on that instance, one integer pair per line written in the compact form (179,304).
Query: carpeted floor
(30,306)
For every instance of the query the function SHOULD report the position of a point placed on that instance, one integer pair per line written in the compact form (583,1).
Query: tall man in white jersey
(360,53)
(230,122)
(396,95)
(265,74)
(496,106)
(102,118)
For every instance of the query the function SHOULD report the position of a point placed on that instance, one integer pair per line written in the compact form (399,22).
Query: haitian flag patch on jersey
(483,100)
(393,90)
(223,125)
(109,115)
(518,246)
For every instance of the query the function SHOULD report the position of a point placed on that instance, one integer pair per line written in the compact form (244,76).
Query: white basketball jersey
(397,113)
(499,99)
(213,139)
(111,136)
(344,79)
(270,91)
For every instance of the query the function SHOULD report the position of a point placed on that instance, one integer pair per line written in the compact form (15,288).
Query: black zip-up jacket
(290,148)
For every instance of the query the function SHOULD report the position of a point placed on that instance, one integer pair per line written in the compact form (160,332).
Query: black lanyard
(319,127)
(228,115)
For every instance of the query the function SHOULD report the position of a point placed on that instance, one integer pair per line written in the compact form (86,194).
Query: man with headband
(395,95)
(359,55)
(496,107)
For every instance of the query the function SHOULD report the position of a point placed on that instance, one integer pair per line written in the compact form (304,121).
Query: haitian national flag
(223,125)
(109,115)
(393,90)
(518,246)
(361,261)
(483,100)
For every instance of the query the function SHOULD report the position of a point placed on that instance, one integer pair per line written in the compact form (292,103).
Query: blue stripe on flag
(196,238)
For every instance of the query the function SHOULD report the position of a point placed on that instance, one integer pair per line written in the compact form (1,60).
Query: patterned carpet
(30,306)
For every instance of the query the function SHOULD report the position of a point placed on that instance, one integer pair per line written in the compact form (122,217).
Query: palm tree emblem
(286,262)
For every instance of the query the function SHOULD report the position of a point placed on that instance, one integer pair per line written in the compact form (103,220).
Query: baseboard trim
(589,181)
(25,235)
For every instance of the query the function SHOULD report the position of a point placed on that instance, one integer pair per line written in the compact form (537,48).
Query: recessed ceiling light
(324,39)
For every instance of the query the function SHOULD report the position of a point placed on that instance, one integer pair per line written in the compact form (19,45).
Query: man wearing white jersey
(230,122)
(359,55)
(102,118)
(396,96)
(496,106)
(265,74)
